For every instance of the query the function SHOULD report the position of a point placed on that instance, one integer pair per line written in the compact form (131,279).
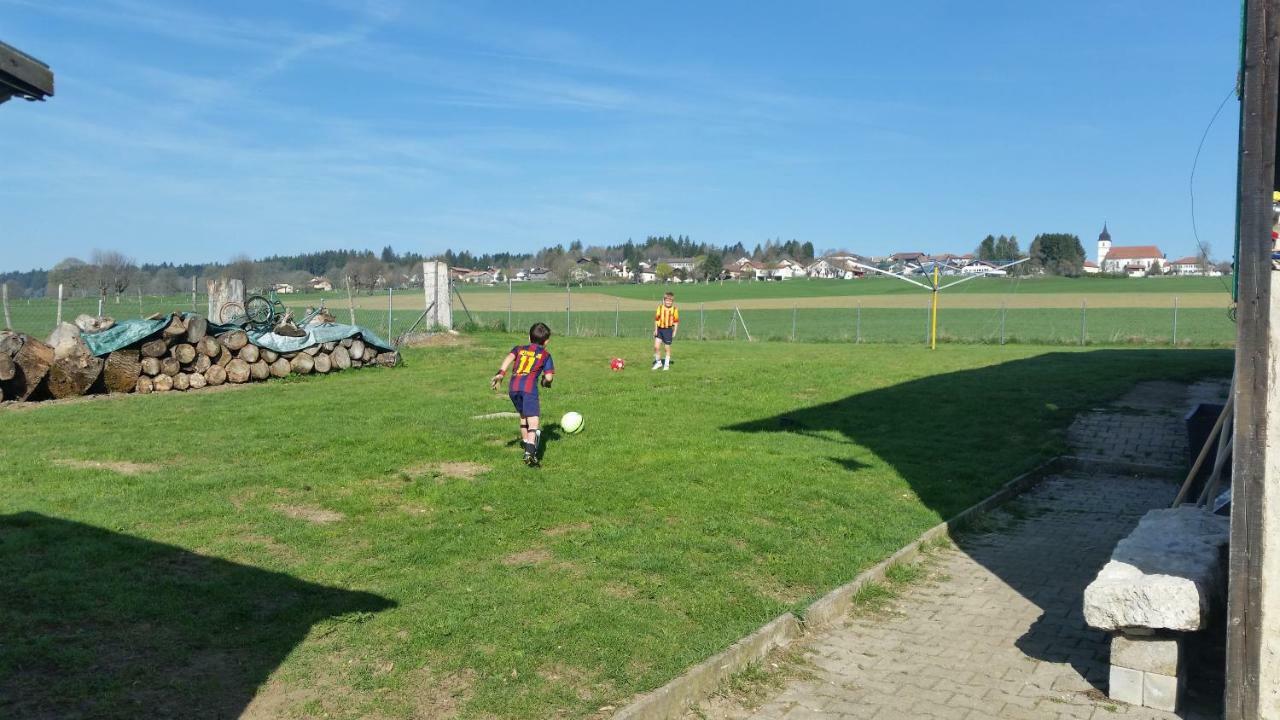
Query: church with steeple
(1131,260)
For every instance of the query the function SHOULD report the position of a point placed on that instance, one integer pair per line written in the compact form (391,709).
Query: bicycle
(267,313)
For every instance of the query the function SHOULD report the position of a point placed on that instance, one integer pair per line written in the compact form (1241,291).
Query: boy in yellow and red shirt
(666,321)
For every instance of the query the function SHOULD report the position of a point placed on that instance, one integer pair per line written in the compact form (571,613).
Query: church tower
(1104,244)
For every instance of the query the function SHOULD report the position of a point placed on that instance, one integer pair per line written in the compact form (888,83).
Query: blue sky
(190,131)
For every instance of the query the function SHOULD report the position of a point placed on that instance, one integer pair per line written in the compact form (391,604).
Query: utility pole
(1253,604)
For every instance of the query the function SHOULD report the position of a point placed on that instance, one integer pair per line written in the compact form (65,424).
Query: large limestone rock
(1165,575)
(65,341)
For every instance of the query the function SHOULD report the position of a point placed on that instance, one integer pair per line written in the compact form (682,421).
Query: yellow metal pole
(933,312)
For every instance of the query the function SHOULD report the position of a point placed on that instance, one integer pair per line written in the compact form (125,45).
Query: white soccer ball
(571,422)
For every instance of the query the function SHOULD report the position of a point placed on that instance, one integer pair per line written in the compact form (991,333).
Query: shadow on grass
(955,438)
(96,624)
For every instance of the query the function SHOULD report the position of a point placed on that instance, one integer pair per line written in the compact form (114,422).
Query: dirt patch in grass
(441,697)
(581,682)
(496,416)
(619,590)
(311,513)
(527,558)
(444,339)
(273,547)
(445,471)
(123,467)
(559,530)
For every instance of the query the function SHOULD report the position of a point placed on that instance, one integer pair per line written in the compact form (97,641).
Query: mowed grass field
(360,545)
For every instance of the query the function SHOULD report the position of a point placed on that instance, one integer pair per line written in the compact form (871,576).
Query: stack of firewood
(182,356)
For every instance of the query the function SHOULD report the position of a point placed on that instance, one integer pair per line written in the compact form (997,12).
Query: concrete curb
(674,698)
(698,682)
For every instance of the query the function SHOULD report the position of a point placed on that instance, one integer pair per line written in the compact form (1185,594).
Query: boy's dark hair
(539,333)
(668,294)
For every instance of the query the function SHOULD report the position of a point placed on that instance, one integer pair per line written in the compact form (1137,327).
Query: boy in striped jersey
(531,361)
(666,321)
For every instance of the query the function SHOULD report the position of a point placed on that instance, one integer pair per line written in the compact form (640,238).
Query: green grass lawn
(357,545)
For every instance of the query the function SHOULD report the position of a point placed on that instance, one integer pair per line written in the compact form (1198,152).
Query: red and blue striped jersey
(531,362)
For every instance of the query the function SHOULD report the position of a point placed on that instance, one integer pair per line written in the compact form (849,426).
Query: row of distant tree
(112,273)
(1050,253)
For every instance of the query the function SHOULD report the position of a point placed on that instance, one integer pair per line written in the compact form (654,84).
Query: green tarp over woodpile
(131,332)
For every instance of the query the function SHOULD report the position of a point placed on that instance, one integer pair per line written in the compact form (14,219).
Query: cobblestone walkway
(997,630)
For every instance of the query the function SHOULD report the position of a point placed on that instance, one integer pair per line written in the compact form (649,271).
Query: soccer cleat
(529,458)
(666,367)
(656,364)
(533,461)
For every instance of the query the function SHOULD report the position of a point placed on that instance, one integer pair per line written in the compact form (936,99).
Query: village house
(983,267)
(1190,265)
(684,264)
(843,267)
(488,276)
(782,270)
(320,284)
(283,289)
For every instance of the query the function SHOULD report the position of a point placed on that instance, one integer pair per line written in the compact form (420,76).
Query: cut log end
(234,340)
(215,375)
(73,376)
(122,370)
(238,371)
(302,364)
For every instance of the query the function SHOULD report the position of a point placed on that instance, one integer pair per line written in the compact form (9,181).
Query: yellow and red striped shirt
(667,316)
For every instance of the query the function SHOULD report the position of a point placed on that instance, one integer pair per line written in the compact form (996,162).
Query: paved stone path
(997,630)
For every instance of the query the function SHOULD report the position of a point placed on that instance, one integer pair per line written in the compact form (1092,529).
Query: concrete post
(435,285)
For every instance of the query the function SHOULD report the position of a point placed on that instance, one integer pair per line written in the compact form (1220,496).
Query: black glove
(546,382)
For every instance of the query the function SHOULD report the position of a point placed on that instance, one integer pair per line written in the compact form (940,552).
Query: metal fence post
(508,304)
(1084,304)
(4,298)
(1175,320)
(702,320)
(617,317)
(351,304)
(140,312)
(794,312)
(927,321)
(1002,314)
(193,293)
(568,303)
(59,303)
(101,298)
(388,313)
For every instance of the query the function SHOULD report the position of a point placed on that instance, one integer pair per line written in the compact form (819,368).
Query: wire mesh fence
(391,314)
(1192,327)
(39,316)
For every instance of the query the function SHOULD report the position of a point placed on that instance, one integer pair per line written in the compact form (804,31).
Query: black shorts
(666,335)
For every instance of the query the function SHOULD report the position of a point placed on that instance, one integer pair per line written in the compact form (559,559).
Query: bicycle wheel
(231,313)
(259,310)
